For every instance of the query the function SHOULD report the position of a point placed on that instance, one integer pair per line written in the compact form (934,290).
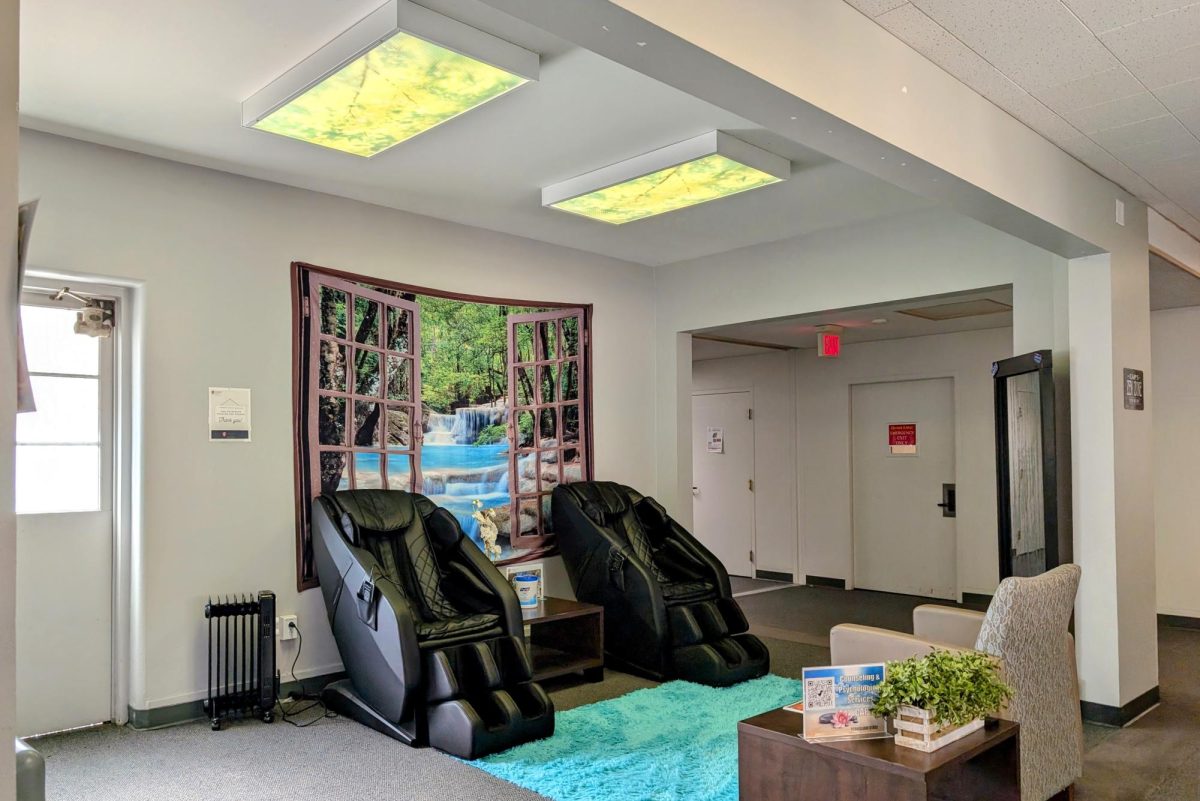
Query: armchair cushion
(852,644)
(947,624)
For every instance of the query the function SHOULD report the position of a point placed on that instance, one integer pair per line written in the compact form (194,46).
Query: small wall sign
(228,414)
(902,439)
(716,440)
(1135,390)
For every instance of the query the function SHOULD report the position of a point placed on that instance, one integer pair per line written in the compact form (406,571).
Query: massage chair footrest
(722,662)
(481,699)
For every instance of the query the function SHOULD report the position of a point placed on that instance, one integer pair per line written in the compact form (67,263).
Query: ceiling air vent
(955,311)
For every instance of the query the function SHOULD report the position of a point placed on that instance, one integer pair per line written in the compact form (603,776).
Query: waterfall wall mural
(479,404)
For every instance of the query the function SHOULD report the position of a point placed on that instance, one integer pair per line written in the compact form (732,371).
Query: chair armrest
(947,624)
(851,644)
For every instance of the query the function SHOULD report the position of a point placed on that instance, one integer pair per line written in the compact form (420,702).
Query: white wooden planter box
(915,728)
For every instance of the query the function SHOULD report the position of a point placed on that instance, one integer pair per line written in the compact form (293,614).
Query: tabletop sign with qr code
(838,701)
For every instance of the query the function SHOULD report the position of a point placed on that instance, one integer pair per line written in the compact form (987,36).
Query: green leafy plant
(958,686)
(492,435)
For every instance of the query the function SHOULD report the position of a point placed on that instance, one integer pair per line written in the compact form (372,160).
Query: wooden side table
(776,763)
(566,637)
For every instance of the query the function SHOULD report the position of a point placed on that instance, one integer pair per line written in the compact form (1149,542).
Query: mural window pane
(398,385)
(333,312)
(569,381)
(570,424)
(570,336)
(331,421)
(399,469)
(525,396)
(366,424)
(547,340)
(525,429)
(366,321)
(367,473)
(332,370)
(397,329)
(549,427)
(548,383)
(399,427)
(366,373)
(524,342)
(334,473)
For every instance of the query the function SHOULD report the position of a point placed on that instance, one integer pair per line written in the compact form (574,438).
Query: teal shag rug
(668,743)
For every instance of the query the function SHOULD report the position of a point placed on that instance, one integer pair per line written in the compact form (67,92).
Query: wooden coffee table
(776,763)
(566,637)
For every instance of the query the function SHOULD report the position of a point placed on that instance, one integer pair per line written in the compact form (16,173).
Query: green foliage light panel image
(687,184)
(393,92)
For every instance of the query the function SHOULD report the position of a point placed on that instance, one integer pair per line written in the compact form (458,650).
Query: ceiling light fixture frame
(698,147)
(393,17)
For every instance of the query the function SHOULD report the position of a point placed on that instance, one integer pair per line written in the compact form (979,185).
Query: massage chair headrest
(605,501)
(360,513)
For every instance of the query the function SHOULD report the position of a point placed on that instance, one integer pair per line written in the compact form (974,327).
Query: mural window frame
(332,414)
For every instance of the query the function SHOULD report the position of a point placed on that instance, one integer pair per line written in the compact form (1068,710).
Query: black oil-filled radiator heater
(242,679)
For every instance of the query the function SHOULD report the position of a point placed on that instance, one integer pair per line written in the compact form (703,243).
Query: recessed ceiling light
(707,167)
(398,72)
(879,321)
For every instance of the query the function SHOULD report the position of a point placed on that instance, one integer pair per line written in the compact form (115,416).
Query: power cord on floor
(290,717)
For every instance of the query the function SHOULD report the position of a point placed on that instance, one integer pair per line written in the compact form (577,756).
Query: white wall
(770,377)
(1174,335)
(802,463)
(210,253)
(823,393)
(8,400)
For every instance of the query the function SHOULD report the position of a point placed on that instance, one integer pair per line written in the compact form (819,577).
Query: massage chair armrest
(851,644)
(683,541)
(947,624)
(484,587)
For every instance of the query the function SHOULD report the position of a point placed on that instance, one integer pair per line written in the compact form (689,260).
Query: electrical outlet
(282,630)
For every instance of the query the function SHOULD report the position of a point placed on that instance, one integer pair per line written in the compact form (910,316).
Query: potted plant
(940,697)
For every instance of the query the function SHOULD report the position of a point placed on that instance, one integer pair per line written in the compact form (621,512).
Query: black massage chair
(429,631)
(668,611)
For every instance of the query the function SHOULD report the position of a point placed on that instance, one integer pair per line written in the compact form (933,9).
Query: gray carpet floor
(741,584)
(333,760)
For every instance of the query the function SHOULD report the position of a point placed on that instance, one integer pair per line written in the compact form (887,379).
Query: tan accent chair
(1025,627)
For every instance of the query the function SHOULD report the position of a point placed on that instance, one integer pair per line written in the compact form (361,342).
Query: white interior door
(722,475)
(902,541)
(64,527)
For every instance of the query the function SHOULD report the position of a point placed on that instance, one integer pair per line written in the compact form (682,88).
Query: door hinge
(751,556)
(750,485)
(749,414)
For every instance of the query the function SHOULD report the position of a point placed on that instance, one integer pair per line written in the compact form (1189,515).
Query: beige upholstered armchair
(1026,628)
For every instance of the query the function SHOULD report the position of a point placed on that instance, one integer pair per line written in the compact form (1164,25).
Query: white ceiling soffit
(172,85)
(862,324)
(1115,83)
(1171,287)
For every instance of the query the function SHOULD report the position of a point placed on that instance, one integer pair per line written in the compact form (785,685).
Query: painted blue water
(463,456)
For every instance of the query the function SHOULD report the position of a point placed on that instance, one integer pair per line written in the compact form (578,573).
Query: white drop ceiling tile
(1037,43)
(1091,90)
(1176,144)
(1164,33)
(1164,69)
(1180,96)
(1134,108)
(1191,119)
(1104,15)
(1127,136)
(1156,162)
(1031,111)
(873,8)
(915,28)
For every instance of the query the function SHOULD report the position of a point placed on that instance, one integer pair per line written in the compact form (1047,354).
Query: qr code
(818,693)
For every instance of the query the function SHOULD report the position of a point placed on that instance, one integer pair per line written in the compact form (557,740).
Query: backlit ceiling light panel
(400,71)
(707,167)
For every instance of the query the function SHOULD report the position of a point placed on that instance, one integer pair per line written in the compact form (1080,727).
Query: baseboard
(773,575)
(1179,621)
(174,714)
(822,581)
(1118,716)
(977,599)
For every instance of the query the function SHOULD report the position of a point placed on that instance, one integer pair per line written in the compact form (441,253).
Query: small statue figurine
(487,529)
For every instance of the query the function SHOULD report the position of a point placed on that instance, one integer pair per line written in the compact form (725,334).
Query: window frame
(303,353)
(106,396)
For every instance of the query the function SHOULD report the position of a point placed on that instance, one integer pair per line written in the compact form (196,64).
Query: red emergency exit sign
(829,344)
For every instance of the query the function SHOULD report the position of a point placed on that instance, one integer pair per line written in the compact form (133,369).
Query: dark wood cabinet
(565,637)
